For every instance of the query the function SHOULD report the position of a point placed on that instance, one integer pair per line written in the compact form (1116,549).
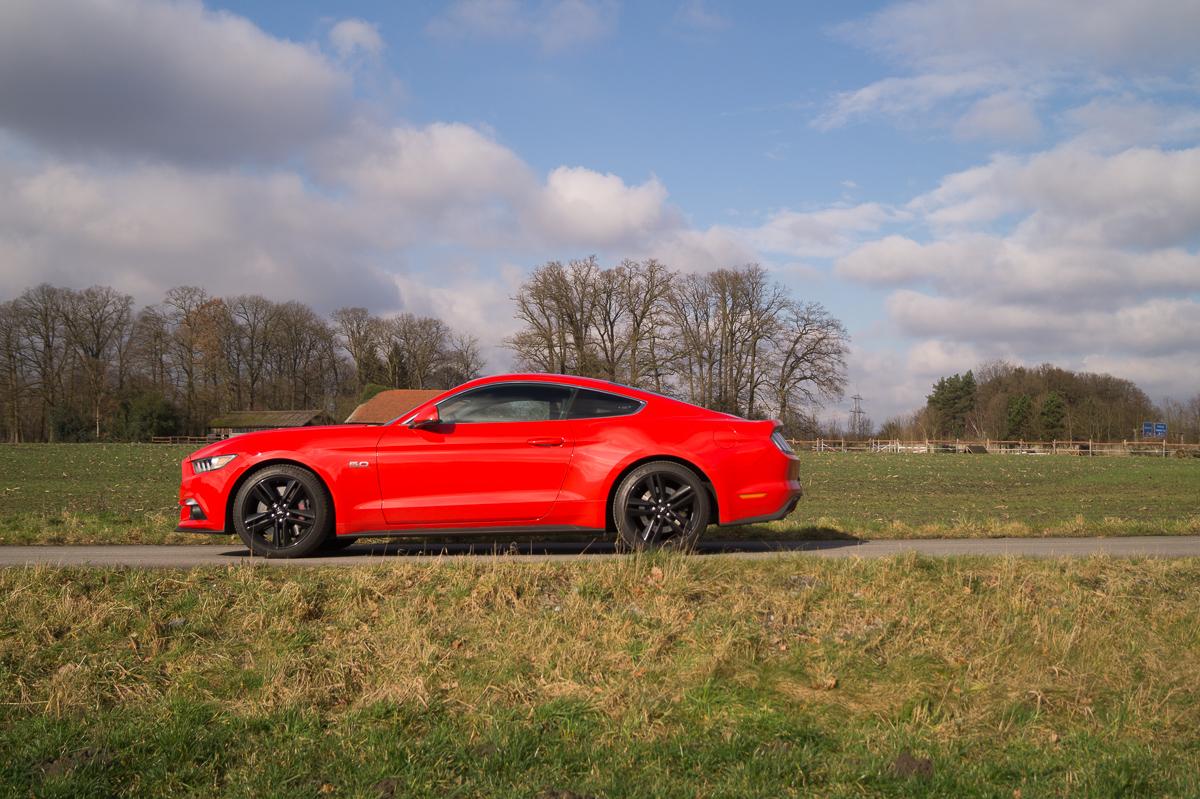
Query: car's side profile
(530,453)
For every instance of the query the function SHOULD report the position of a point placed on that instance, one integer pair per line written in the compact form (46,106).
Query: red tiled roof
(388,405)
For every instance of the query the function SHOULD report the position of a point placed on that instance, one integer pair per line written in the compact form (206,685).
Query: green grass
(639,677)
(90,493)
(126,493)
(945,495)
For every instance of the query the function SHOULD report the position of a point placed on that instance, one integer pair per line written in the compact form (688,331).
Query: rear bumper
(775,516)
(769,498)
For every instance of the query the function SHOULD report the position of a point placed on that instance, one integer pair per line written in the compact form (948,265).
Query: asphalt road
(1161,546)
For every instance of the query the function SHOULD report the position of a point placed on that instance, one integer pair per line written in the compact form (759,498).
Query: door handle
(546,442)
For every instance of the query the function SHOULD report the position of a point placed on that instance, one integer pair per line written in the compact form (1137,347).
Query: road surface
(188,556)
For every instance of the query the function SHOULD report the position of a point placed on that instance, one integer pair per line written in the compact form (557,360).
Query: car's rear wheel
(659,505)
(282,512)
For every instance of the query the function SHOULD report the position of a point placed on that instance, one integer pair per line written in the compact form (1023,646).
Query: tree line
(85,365)
(88,365)
(1003,401)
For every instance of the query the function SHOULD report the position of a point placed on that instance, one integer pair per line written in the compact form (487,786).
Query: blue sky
(958,182)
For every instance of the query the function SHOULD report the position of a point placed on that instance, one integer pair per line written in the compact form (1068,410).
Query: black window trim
(570,403)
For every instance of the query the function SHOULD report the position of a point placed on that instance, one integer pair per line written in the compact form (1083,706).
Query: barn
(234,422)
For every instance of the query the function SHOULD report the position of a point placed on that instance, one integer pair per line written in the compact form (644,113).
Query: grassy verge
(126,493)
(659,677)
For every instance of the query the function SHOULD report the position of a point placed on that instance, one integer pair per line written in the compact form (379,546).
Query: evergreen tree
(953,398)
(1020,415)
(1053,416)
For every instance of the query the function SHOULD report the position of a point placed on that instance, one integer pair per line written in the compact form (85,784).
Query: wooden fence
(1157,448)
(184,439)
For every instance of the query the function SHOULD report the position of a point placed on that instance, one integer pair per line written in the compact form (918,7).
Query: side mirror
(425,419)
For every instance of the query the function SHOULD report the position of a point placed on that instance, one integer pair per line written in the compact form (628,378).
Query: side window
(507,402)
(590,404)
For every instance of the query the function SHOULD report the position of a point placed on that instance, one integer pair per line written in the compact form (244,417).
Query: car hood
(291,438)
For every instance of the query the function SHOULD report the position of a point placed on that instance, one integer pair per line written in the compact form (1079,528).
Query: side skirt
(425,531)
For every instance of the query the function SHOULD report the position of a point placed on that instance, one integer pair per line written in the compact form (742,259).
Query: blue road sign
(1160,430)
(1147,429)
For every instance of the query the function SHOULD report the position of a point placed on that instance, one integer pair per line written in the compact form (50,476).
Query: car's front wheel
(661,504)
(282,512)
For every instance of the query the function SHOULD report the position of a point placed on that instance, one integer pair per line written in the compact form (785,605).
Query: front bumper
(202,499)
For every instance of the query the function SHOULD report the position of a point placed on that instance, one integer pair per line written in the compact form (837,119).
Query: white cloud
(1151,35)
(697,16)
(148,228)
(1005,116)
(353,38)
(592,209)
(822,233)
(904,98)
(1116,123)
(1001,55)
(555,25)
(165,80)
(1141,197)
(432,168)
(1010,271)
(1156,327)
(1084,257)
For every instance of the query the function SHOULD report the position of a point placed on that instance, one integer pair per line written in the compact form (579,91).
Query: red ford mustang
(512,453)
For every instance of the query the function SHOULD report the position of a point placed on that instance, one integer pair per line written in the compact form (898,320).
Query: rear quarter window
(590,404)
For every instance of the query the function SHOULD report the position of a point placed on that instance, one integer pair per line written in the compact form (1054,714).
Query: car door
(498,455)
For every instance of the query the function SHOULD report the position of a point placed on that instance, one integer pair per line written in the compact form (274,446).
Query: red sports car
(528,453)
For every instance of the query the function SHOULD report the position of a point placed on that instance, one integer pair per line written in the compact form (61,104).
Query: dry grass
(731,678)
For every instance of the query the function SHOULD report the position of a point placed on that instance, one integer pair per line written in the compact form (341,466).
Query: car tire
(283,512)
(660,505)
(336,543)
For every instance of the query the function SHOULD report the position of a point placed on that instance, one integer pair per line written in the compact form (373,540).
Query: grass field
(654,677)
(126,493)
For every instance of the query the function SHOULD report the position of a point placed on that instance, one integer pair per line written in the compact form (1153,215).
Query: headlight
(209,464)
(782,443)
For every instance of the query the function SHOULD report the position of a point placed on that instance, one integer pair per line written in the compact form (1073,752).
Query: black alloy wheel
(661,504)
(282,512)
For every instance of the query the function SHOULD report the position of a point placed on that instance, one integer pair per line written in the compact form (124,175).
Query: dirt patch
(908,765)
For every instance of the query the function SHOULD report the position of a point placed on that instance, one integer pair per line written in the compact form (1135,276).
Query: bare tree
(810,351)
(360,334)
(252,320)
(42,311)
(183,306)
(13,360)
(462,360)
(417,342)
(731,339)
(644,289)
(96,320)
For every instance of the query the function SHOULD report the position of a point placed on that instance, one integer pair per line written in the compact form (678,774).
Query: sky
(957,182)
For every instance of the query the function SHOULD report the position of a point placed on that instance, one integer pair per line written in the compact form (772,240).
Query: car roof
(566,380)
(649,397)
